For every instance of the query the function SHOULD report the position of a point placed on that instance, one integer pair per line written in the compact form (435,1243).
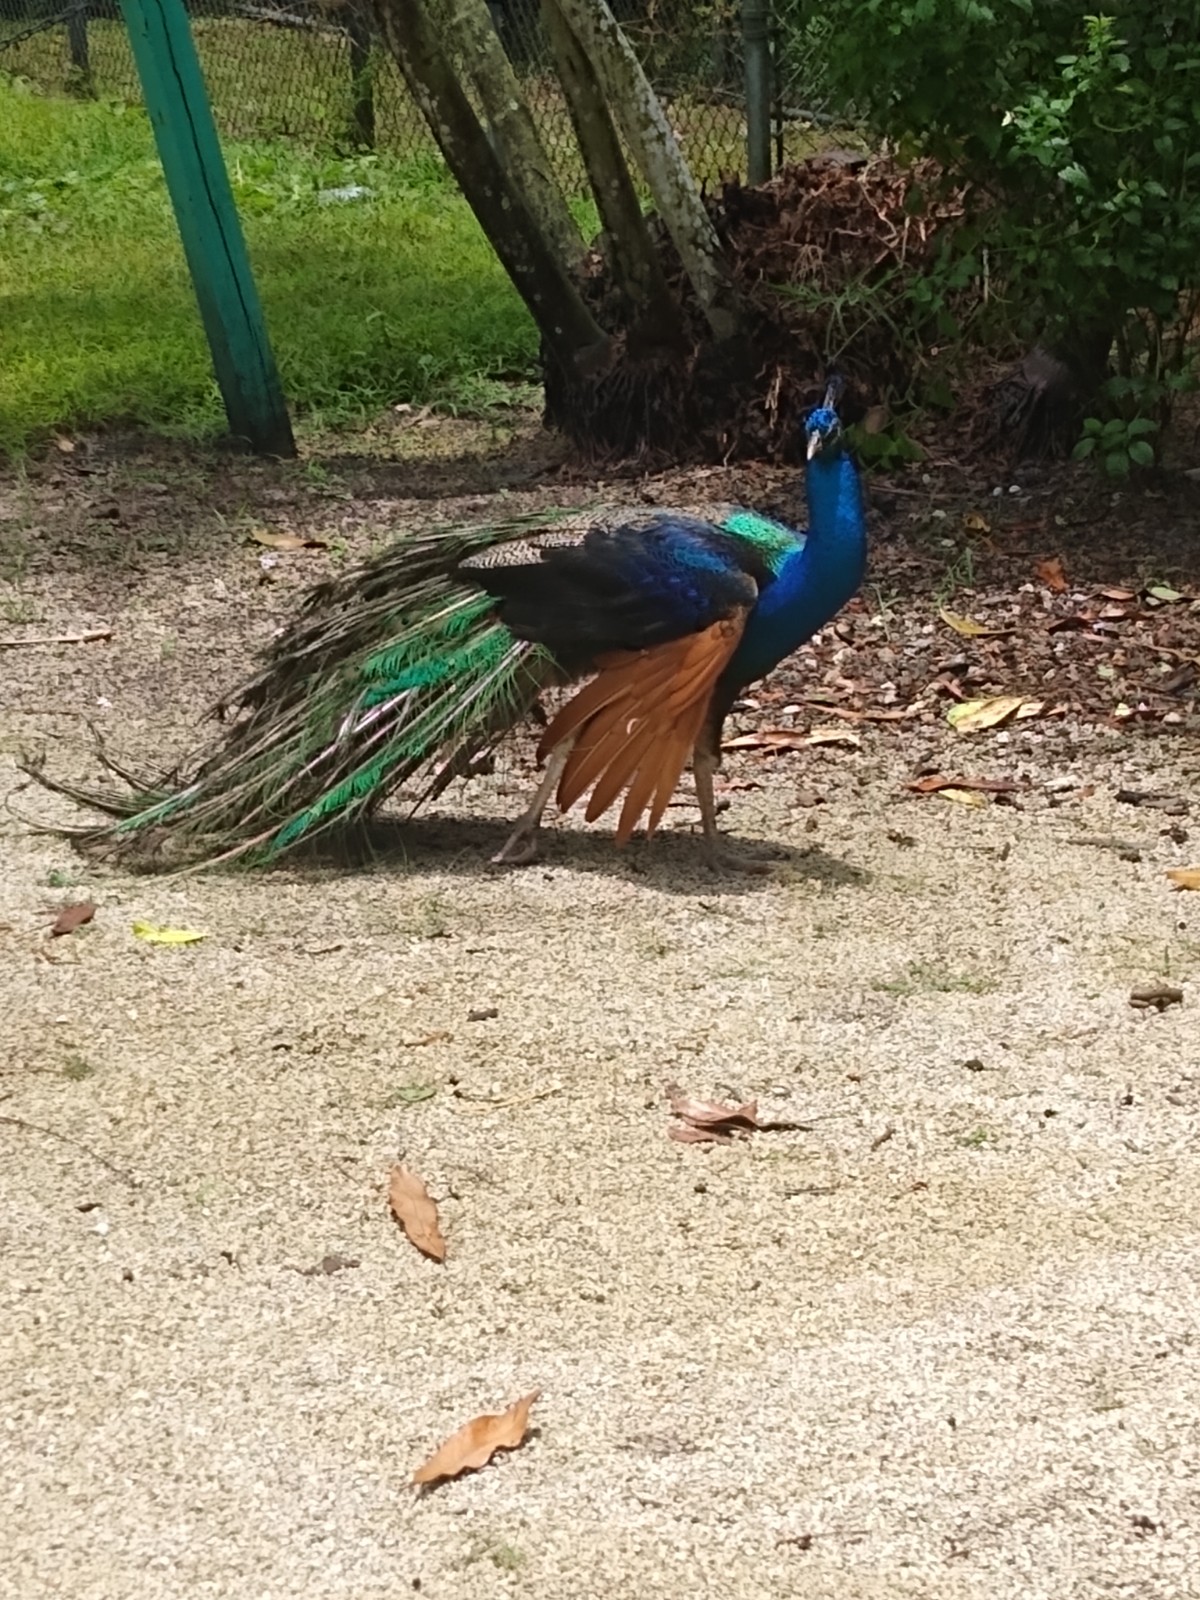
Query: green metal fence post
(177,102)
(756,41)
(362,85)
(77,48)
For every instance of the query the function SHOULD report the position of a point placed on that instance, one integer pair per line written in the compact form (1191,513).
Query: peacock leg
(521,846)
(705,761)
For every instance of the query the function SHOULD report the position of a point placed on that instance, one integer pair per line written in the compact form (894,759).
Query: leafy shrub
(1077,123)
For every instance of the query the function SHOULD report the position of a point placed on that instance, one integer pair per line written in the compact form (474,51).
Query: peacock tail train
(397,672)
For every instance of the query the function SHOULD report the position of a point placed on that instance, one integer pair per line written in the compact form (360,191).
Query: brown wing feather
(630,758)
(607,732)
(635,724)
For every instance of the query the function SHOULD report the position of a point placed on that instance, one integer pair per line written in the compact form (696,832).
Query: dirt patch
(934,1336)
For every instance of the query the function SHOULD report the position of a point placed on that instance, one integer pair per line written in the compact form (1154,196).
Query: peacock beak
(815,441)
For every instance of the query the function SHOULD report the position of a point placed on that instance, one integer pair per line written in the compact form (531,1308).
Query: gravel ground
(939,1340)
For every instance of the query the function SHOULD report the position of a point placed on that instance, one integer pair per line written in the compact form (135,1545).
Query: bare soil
(936,1339)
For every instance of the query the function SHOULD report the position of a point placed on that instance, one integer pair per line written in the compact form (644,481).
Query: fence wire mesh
(313,71)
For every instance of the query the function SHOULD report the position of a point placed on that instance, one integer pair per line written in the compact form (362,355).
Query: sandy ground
(940,1342)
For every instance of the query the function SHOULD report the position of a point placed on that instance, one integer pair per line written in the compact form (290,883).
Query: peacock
(405,673)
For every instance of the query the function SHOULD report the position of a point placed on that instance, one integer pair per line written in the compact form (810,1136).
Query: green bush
(1078,129)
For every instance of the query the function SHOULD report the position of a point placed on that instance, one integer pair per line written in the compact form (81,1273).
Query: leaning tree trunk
(661,349)
(653,314)
(543,279)
(469,23)
(656,150)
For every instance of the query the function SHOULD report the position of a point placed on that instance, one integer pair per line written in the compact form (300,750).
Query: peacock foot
(719,858)
(519,849)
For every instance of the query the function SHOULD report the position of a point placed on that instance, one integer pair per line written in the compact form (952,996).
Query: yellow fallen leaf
(964,797)
(968,627)
(153,934)
(1030,708)
(1184,877)
(973,715)
(974,523)
(286,541)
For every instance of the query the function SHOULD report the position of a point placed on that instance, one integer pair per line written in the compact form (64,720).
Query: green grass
(393,297)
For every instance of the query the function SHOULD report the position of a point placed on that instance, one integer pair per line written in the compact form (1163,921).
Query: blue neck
(813,581)
(835,506)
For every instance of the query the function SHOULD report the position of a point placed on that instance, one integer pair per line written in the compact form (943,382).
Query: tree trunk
(1039,406)
(469,24)
(635,263)
(645,126)
(542,279)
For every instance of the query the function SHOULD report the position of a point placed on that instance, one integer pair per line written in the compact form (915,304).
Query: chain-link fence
(313,71)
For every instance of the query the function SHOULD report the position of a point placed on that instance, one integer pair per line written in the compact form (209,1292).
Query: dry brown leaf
(416,1212)
(72,916)
(974,523)
(1117,594)
(286,541)
(969,628)
(901,714)
(876,419)
(1051,573)
(767,739)
(1172,805)
(1081,619)
(477,1441)
(711,1113)
(1156,996)
(708,1121)
(935,783)
(1184,877)
(791,739)
(832,735)
(67,446)
(684,1133)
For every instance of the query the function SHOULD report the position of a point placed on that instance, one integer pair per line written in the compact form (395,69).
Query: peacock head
(823,426)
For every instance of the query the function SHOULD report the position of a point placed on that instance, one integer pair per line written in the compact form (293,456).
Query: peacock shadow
(672,863)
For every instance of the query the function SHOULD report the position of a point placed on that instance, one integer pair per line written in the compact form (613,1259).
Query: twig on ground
(53,1133)
(88,637)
